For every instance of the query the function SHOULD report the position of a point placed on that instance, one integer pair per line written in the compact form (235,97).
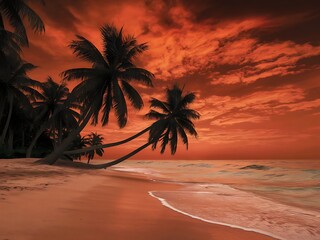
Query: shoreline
(166,204)
(94,204)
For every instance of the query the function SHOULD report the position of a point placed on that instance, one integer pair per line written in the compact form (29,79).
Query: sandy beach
(52,202)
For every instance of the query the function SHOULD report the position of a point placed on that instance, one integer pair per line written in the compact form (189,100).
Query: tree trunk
(6,126)
(2,105)
(59,132)
(39,132)
(53,157)
(34,140)
(10,141)
(53,133)
(22,139)
(119,160)
(107,145)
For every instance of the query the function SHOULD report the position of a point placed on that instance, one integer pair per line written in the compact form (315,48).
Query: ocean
(279,198)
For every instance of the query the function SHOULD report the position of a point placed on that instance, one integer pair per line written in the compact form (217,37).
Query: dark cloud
(297,20)
(161,10)
(312,93)
(263,84)
(57,12)
(231,9)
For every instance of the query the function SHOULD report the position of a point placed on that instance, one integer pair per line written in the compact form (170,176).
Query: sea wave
(224,205)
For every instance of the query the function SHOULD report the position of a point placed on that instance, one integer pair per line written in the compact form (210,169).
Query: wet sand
(51,202)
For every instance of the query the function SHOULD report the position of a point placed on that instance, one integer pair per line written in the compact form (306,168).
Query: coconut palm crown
(174,118)
(105,85)
(15,11)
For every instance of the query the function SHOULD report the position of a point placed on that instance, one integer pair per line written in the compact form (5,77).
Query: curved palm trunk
(119,160)
(53,157)
(6,126)
(107,145)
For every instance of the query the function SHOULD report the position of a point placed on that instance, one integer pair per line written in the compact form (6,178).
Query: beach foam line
(166,204)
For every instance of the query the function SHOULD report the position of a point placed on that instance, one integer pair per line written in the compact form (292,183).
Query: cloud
(254,67)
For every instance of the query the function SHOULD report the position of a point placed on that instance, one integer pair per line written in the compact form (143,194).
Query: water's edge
(166,204)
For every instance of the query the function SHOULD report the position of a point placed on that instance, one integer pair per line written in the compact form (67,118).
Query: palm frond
(9,41)
(157,129)
(119,104)
(10,9)
(190,114)
(152,114)
(155,103)
(35,21)
(187,99)
(132,94)
(136,50)
(189,126)
(86,50)
(23,69)
(173,139)
(183,135)
(137,74)
(164,141)
(80,73)
(109,36)
(107,104)
(174,96)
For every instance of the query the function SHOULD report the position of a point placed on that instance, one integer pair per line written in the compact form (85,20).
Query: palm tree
(173,120)
(106,145)
(19,128)
(93,140)
(65,120)
(105,85)
(15,11)
(78,143)
(55,111)
(15,87)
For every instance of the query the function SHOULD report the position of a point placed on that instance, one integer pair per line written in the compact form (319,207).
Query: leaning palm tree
(15,11)
(104,86)
(15,87)
(174,119)
(94,139)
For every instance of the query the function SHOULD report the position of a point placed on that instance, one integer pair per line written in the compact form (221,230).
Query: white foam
(166,204)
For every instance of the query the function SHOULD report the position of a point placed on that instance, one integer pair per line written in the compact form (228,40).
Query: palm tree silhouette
(93,140)
(15,88)
(105,85)
(55,111)
(78,143)
(15,11)
(173,120)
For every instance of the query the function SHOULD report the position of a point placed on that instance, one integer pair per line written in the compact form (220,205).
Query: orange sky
(255,68)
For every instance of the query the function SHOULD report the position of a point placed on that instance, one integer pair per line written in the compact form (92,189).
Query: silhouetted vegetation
(45,119)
